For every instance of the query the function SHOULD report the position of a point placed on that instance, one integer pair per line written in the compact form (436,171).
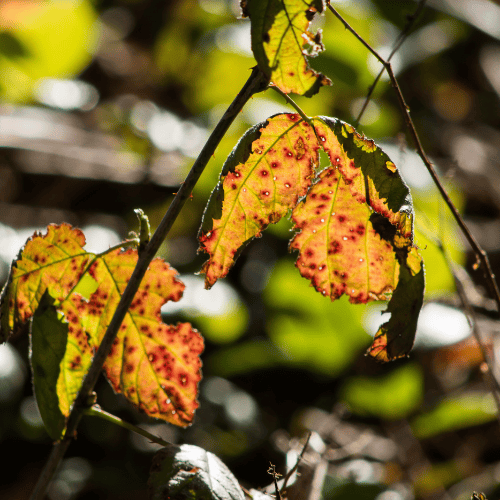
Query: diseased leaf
(371,175)
(190,472)
(354,224)
(339,249)
(55,262)
(155,365)
(395,338)
(49,335)
(263,178)
(281,42)
(78,355)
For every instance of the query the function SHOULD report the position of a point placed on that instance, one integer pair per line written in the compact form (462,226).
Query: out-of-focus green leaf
(455,413)
(393,396)
(189,472)
(310,332)
(57,40)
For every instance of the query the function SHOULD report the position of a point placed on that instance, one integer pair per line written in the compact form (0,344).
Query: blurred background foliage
(104,106)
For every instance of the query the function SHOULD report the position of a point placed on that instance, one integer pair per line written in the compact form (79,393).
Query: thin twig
(96,411)
(481,255)
(255,83)
(399,41)
(491,380)
(294,468)
(272,472)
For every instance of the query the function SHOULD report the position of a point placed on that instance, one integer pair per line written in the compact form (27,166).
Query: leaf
(190,472)
(281,42)
(155,365)
(395,338)
(263,178)
(339,249)
(354,225)
(49,336)
(55,262)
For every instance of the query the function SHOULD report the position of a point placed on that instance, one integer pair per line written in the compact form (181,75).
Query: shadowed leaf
(48,344)
(281,42)
(395,338)
(188,471)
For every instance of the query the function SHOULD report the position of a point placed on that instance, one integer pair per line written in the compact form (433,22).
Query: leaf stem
(255,83)
(481,255)
(97,411)
(297,108)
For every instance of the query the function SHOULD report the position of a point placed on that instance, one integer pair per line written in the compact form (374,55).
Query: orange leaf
(156,366)
(339,250)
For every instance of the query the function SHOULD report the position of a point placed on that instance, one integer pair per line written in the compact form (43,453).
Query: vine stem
(481,255)
(255,83)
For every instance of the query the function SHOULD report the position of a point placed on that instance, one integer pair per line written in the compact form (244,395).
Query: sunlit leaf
(281,42)
(188,471)
(155,365)
(263,178)
(354,225)
(55,262)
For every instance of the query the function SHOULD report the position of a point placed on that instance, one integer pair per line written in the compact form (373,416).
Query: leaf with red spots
(354,220)
(156,366)
(268,171)
(281,42)
(53,262)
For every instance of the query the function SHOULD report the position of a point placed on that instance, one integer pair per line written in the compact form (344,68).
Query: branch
(255,83)
(397,44)
(482,257)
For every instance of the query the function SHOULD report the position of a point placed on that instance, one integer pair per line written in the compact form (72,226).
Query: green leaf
(393,396)
(49,333)
(454,413)
(189,472)
(281,42)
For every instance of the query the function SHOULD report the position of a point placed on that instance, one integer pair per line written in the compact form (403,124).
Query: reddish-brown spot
(129,367)
(348,181)
(351,164)
(264,173)
(309,252)
(291,73)
(335,247)
(234,186)
(341,218)
(131,349)
(360,229)
(275,164)
(325,197)
(293,117)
